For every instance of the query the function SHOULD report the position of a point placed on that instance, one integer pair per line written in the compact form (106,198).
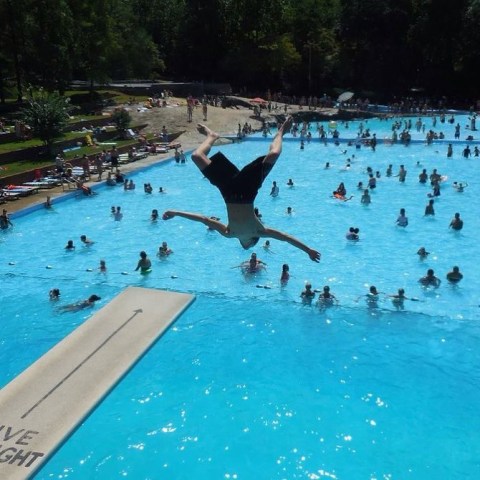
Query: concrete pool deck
(42,406)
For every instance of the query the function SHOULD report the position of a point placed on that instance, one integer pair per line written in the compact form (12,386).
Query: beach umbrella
(258,100)
(343,97)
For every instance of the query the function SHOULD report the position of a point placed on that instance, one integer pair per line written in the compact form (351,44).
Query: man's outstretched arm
(196,217)
(284,237)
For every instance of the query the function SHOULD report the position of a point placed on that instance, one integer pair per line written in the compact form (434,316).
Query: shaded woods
(307,46)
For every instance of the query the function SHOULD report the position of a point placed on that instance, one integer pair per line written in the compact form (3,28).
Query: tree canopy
(46,113)
(303,47)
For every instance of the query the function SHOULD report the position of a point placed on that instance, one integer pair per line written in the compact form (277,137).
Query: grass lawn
(115,95)
(35,142)
(21,166)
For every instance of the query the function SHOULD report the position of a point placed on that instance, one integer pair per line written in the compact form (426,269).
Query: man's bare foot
(204,130)
(287,124)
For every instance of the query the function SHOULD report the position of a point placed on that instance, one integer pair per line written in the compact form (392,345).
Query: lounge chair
(21,190)
(7,195)
(42,184)
(123,158)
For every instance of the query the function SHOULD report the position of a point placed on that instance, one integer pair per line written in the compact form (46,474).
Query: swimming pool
(250,382)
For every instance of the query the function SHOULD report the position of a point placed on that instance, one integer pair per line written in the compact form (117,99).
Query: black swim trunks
(237,186)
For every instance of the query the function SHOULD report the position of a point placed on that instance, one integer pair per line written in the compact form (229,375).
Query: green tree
(373,37)
(468,55)
(122,119)
(93,39)
(202,42)
(46,114)
(12,26)
(47,42)
(261,51)
(434,41)
(313,26)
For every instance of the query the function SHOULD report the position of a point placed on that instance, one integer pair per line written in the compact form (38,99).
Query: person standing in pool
(308,294)
(144,264)
(430,280)
(402,173)
(429,210)
(239,189)
(456,223)
(454,276)
(398,299)
(402,220)
(5,220)
(285,276)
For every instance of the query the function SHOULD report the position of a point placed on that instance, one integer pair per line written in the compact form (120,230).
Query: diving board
(46,402)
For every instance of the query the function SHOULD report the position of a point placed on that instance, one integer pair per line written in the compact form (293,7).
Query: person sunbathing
(239,189)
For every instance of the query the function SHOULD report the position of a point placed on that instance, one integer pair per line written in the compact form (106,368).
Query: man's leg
(200,155)
(276,145)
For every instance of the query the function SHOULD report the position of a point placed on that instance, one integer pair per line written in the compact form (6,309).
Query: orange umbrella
(258,100)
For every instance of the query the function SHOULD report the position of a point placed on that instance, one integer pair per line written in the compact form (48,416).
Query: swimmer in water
(422,253)
(398,299)
(430,280)
(54,294)
(144,264)
(154,215)
(456,223)
(371,298)
(366,199)
(326,298)
(460,186)
(75,307)
(341,190)
(454,276)
(285,276)
(275,190)
(70,245)
(86,241)
(103,266)
(353,234)
(164,250)
(118,215)
(402,219)
(253,265)
(308,294)
(429,210)
(239,190)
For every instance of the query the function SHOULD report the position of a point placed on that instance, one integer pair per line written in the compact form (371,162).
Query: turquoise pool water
(251,383)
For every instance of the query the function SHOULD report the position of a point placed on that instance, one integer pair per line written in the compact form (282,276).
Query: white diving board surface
(46,402)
